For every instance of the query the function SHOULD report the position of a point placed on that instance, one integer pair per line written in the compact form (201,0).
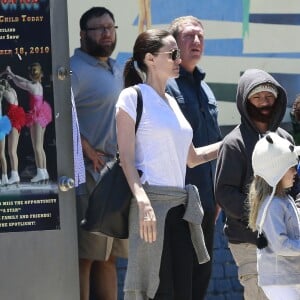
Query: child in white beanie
(274,214)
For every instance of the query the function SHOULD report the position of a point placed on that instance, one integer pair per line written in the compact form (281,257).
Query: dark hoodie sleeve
(230,190)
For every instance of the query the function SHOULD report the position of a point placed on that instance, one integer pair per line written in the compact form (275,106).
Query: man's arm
(93,155)
(230,191)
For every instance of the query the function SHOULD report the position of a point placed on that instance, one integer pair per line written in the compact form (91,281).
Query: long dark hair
(149,41)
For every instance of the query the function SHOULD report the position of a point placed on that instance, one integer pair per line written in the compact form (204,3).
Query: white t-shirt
(163,137)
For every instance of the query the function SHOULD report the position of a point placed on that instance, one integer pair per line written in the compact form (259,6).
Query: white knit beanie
(271,158)
(264,87)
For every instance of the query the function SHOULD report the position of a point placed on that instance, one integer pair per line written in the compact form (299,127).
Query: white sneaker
(14,177)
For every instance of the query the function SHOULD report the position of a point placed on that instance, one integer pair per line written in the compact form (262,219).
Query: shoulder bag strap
(139,110)
(139,106)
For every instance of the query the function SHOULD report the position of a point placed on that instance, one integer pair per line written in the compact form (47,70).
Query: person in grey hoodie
(273,213)
(261,102)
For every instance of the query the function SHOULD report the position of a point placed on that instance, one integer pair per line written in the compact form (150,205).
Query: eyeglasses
(102,29)
(173,54)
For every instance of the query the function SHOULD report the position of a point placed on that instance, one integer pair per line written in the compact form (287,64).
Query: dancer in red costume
(17,118)
(38,117)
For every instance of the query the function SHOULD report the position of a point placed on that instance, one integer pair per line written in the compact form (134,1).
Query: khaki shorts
(245,258)
(96,246)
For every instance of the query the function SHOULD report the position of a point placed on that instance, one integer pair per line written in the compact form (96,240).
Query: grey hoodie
(279,262)
(234,169)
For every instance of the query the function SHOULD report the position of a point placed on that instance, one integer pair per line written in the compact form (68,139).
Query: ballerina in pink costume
(38,117)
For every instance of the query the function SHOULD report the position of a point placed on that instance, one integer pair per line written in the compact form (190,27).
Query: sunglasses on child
(173,54)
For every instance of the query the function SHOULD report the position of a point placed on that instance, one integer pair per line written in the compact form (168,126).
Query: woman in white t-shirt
(165,216)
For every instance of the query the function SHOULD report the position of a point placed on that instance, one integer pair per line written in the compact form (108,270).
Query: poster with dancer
(28,180)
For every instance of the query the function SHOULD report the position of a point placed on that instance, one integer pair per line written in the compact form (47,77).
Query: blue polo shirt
(199,106)
(96,87)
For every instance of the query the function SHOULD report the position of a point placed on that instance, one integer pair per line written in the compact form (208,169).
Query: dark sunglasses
(173,54)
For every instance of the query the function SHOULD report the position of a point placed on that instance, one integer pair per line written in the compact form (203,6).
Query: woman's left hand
(147,222)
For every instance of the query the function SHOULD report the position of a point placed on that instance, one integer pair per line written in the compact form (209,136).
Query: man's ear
(82,33)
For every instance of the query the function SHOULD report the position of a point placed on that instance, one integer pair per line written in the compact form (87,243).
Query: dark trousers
(177,259)
(202,272)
